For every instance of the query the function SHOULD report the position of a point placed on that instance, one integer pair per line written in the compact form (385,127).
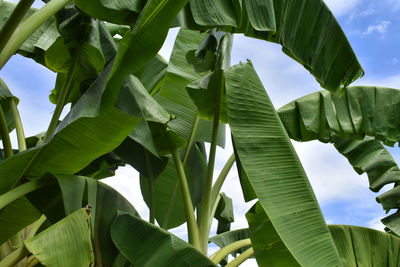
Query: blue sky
(372,28)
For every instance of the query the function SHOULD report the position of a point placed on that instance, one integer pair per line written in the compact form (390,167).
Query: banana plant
(131,107)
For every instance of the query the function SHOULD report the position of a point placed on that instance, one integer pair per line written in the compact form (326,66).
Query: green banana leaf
(142,43)
(357,246)
(119,12)
(169,204)
(144,244)
(35,46)
(356,112)
(274,170)
(342,119)
(306,29)
(72,147)
(370,156)
(65,243)
(224,214)
(16,216)
(360,246)
(173,96)
(74,192)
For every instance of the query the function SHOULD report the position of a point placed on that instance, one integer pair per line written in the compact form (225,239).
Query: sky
(372,27)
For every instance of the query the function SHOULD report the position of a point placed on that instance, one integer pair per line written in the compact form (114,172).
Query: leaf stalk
(225,251)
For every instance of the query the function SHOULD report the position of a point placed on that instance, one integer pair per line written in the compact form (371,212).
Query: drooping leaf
(153,73)
(169,205)
(144,244)
(224,214)
(356,112)
(142,43)
(102,167)
(267,156)
(370,156)
(72,146)
(173,96)
(306,29)
(204,93)
(342,119)
(65,243)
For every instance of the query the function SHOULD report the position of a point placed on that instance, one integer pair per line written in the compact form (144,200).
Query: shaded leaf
(144,244)
(169,205)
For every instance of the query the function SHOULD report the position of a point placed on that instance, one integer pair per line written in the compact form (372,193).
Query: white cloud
(380,27)
(341,7)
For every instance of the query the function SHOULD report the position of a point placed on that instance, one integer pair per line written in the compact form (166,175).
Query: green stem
(150,179)
(192,139)
(221,179)
(18,126)
(15,257)
(225,251)
(36,225)
(62,98)
(5,137)
(28,27)
(188,149)
(212,211)
(22,190)
(193,230)
(241,258)
(205,205)
(12,22)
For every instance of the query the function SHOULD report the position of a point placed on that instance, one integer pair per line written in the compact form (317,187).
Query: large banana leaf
(144,244)
(72,146)
(66,243)
(173,96)
(359,111)
(356,112)
(306,29)
(274,170)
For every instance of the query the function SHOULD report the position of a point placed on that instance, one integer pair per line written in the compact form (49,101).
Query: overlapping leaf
(72,146)
(144,244)
(307,31)
(64,243)
(173,96)
(274,170)
(71,193)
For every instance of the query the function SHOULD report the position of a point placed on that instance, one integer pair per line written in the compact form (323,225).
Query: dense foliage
(131,107)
